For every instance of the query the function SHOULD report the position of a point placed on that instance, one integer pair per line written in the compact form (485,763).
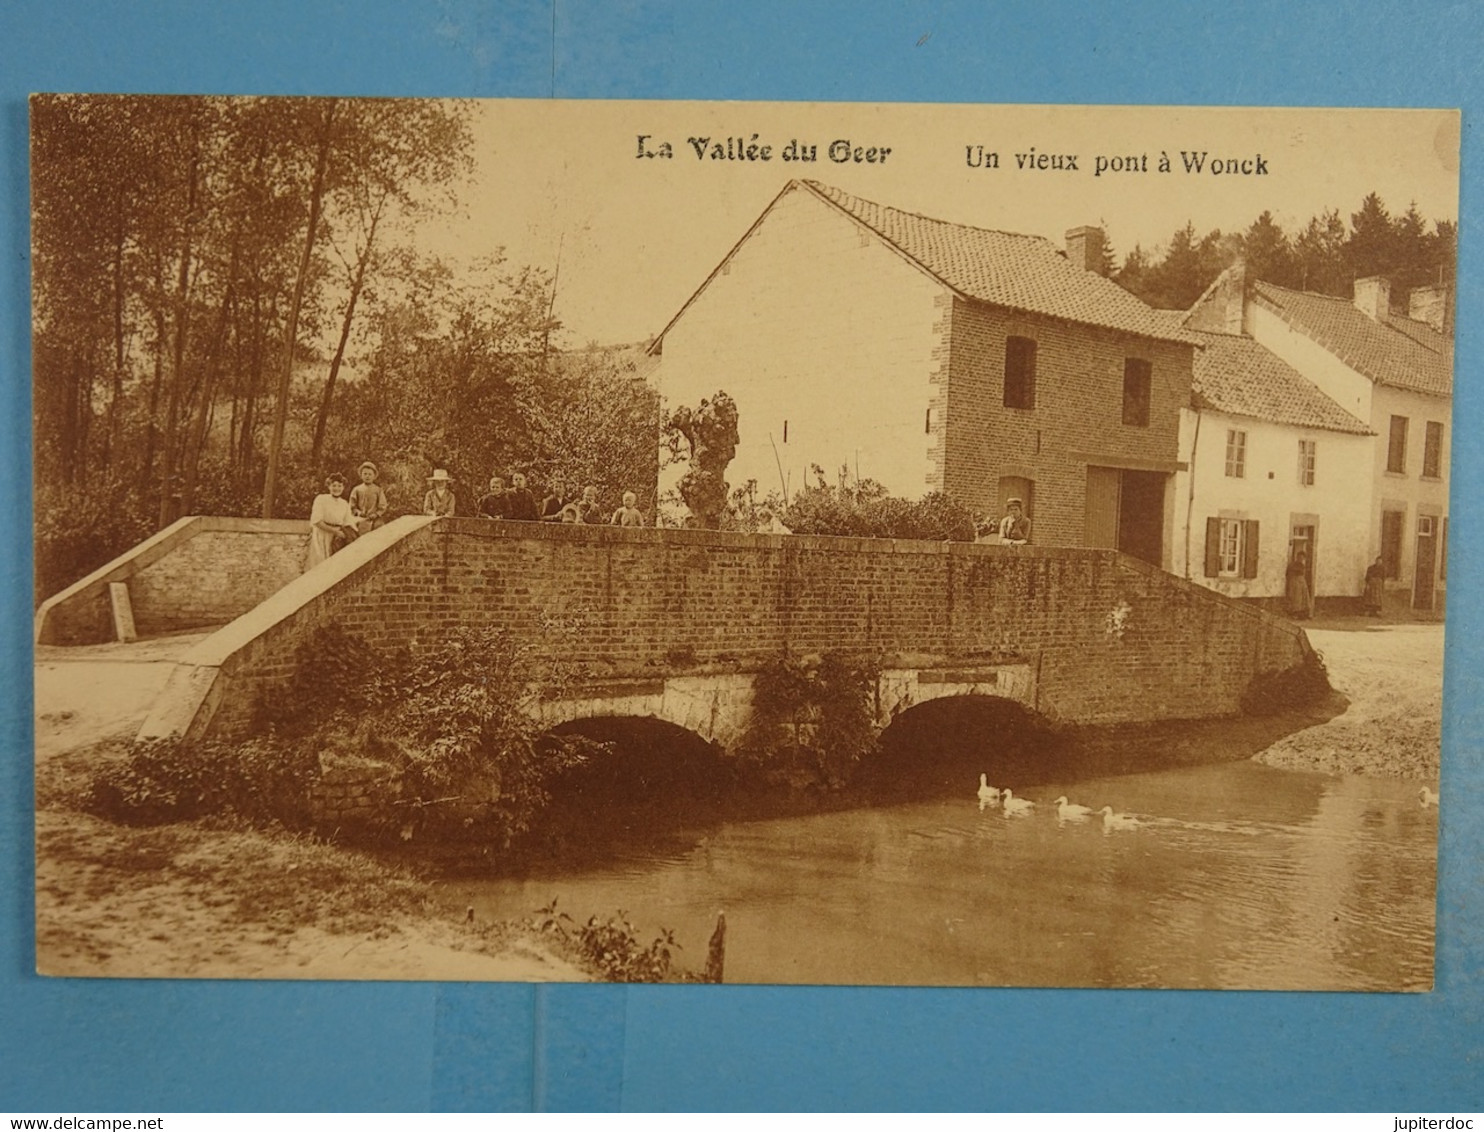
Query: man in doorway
(1015,528)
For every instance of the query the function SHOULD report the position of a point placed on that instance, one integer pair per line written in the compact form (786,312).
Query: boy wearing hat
(367,501)
(439,501)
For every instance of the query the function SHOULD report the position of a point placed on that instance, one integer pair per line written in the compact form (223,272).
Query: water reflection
(1239,876)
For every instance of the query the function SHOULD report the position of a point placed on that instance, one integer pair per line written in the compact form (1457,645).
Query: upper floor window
(1236,453)
(1396,446)
(1432,451)
(1308,449)
(1136,373)
(1020,373)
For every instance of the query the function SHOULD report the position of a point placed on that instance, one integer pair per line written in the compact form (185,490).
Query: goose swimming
(1071,811)
(988,795)
(1112,821)
(1014,806)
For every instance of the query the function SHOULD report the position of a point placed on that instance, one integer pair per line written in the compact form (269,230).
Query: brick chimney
(1373,297)
(1429,305)
(1085,248)
(1220,309)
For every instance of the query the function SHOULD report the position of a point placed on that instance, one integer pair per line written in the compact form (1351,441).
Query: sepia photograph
(706,542)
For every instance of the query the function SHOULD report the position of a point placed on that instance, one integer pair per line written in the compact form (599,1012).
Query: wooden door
(1424,573)
(1101,526)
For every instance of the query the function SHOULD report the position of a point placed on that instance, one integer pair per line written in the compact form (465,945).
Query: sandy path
(1393,678)
(90,693)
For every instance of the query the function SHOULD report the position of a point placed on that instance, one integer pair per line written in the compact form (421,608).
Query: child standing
(367,500)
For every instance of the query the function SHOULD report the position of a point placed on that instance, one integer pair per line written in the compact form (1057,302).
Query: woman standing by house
(1300,600)
(1375,587)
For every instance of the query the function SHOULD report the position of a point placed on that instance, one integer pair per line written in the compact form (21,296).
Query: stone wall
(198,572)
(1110,639)
(355,793)
(214,577)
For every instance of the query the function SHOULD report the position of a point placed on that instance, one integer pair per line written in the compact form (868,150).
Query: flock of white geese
(1013,807)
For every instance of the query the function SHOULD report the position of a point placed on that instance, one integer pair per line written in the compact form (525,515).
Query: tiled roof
(1236,374)
(1391,353)
(1421,333)
(1027,273)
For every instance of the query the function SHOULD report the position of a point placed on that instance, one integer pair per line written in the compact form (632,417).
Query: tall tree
(1372,247)
(323,136)
(398,156)
(1266,251)
(1319,255)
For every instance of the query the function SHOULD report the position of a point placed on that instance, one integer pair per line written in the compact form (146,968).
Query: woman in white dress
(329,519)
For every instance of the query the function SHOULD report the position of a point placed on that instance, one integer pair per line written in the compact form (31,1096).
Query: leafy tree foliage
(228,306)
(811,722)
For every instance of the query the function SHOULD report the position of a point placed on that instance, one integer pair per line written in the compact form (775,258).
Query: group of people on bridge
(335,519)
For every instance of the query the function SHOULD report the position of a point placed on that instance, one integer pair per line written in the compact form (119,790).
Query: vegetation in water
(812,721)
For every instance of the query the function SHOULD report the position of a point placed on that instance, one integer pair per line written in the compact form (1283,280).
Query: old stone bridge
(672,624)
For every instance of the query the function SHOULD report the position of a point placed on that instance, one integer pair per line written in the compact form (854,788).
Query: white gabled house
(1315,424)
(1268,468)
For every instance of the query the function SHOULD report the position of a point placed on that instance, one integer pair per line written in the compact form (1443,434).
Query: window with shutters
(1231,547)
(1393,523)
(1396,446)
(1020,373)
(1136,373)
(1236,453)
(1432,451)
(1308,449)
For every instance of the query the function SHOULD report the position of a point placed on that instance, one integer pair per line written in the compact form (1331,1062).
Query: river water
(1236,876)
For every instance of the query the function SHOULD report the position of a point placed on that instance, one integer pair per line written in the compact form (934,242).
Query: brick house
(1268,468)
(1394,374)
(932,356)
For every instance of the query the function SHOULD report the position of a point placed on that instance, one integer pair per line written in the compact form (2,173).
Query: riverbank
(1392,676)
(216,900)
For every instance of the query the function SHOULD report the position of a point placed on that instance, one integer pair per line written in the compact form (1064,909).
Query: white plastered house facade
(1322,424)
(932,356)
(825,371)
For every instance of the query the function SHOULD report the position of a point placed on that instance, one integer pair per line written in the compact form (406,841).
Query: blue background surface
(75,1045)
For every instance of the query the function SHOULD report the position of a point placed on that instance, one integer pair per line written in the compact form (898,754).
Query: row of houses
(1215,442)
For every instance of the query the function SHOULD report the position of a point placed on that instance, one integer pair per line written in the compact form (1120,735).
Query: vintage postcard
(750,543)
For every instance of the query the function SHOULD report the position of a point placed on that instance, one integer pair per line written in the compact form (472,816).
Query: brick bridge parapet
(1077,635)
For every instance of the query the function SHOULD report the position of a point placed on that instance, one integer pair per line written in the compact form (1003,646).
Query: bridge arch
(713,707)
(900,689)
(942,743)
